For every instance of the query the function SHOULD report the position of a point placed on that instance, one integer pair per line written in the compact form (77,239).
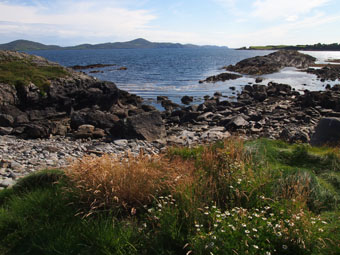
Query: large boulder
(147,126)
(327,132)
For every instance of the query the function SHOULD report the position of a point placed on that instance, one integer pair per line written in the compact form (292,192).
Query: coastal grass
(21,72)
(231,197)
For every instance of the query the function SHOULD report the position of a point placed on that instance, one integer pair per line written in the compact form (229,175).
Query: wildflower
(247,231)
(159,205)
(313,222)
(297,217)
(267,207)
(206,213)
(207,207)
(254,229)
(320,229)
(291,224)
(278,234)
(231,187)
(264,218)
(255,246)
(244,225)
(249,217)
(324,222)
(262,197)
(197,226)
(268,253)
(214,206)
(215,225)
(222,230)
(285,247)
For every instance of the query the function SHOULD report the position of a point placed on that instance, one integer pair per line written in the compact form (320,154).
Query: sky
(232,23)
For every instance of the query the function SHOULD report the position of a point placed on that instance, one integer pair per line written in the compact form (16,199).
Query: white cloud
(292,33)
(89,18)
(289,10)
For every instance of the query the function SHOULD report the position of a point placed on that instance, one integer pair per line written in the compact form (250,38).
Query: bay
(176,72)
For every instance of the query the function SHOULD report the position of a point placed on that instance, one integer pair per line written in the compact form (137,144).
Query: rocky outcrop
(221,77)
(328,72)
(69,102)
(275,111)
(272,63)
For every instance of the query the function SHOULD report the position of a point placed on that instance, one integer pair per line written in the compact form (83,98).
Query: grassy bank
(21,72)
(258,197)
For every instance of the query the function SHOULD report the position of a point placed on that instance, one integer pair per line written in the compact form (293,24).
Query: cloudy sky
(232,23)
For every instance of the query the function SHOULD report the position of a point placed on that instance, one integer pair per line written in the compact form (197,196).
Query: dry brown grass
(109,182)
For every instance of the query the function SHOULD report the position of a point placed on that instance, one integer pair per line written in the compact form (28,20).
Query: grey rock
(6,130)
(7,182)
(327,132)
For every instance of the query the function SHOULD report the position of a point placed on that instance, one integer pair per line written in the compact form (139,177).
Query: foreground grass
(261,197)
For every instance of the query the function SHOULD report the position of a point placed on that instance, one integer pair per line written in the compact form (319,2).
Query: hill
(23,45)
(140,43)
(315,47)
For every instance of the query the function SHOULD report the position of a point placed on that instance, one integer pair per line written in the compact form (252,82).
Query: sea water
(177,72)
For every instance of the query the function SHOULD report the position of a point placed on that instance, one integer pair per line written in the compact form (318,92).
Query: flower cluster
(252,231)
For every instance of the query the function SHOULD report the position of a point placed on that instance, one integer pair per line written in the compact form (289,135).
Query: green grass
(20,72)
(258,197)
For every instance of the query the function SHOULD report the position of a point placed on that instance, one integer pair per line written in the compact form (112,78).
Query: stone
(237,122)
(187,99)
(327,132)
(6,120)
(147,126)
(6,130)
(7,182)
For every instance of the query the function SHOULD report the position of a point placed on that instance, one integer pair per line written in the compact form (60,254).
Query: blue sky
(232,23)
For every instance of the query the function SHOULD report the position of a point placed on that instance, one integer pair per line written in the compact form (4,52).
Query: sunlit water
(176,72)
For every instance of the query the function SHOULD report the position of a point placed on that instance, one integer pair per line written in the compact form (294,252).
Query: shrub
(108,182)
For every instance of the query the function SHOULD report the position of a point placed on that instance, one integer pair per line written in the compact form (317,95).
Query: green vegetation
(20,72)
(258,197)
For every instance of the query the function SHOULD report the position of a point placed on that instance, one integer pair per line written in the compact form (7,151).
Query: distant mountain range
(24,45)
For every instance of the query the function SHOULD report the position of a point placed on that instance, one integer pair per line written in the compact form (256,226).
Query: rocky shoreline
(78,115)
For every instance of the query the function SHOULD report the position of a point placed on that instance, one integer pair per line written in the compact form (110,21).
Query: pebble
(19,157)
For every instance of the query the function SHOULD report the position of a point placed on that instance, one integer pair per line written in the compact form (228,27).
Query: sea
(176,72)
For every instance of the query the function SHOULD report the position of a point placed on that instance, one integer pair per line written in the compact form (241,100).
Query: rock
(84,131)
(258,79)
(187,99)
(272,63)
(148,108)
(5,130)
(16,166)
(327,132)
(236,123)
(222,77)
(121,142)
(161,98)
(6,120)
(95,118)
(147,126)
(8,182)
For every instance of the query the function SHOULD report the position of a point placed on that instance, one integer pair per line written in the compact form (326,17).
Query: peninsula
(140,43)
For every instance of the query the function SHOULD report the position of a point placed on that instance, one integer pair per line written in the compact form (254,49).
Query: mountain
(140,43)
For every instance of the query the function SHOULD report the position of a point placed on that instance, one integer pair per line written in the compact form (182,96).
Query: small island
(314,47)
